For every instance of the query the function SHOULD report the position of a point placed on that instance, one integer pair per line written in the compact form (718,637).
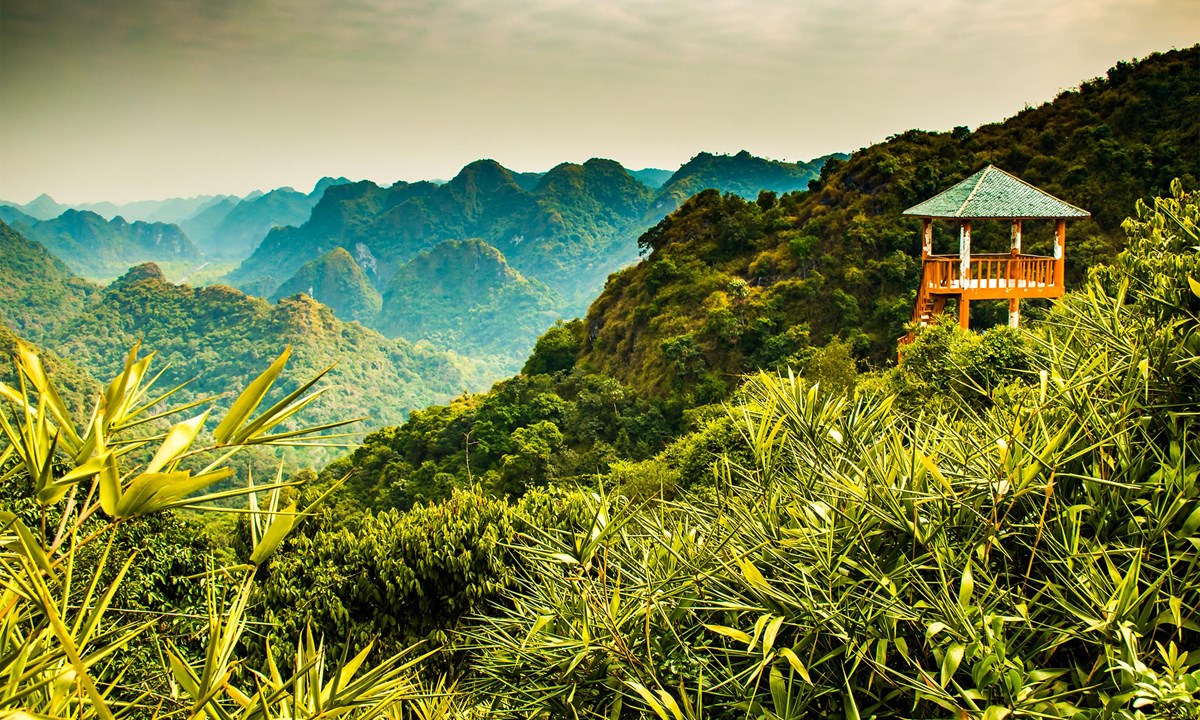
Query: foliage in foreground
(68,646)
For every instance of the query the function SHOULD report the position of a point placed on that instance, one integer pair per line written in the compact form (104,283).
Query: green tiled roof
(993,193)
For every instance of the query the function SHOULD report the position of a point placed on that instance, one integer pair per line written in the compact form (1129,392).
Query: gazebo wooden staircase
(990,194)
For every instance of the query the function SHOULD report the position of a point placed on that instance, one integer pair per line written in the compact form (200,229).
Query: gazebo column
(926,237)
(964,272)
(1014,276)
(1060,240)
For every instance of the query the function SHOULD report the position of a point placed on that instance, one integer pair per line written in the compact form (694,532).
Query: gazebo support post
(1060,240)
(1014,303)
(964,272)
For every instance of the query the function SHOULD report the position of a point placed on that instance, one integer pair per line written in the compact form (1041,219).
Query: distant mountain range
(569,227)
(171,210)
(561,233)
(541,245)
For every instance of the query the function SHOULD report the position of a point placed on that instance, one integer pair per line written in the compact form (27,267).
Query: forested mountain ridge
(232,229)
(742,174)
(569,227)
(94,247)
(383,228)
(730,286)
(463,294)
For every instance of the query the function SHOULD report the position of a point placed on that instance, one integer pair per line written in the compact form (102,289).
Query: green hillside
(336,280)
(463,295)
(37,290)
(730,286)
(96,248)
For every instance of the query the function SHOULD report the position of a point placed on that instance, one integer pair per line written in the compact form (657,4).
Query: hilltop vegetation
(336,280)
(463,295)
(730,286)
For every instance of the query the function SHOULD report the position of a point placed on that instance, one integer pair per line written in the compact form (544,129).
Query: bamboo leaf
(280,526)
(951,661)
(729,632)
(249,399)
(966,588)
(179,438)
(648,698)
(798,666)
(770,633)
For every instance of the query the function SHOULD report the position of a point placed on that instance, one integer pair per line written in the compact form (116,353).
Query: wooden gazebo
(990,194)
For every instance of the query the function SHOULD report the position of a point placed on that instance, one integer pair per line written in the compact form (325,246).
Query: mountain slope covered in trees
(462,294)
(730,286)
(224,337)
(38,291)
(336,280)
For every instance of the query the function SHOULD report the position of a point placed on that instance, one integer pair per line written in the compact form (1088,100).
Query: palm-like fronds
(59,642)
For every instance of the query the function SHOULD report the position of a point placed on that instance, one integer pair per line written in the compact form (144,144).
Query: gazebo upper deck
(989,194)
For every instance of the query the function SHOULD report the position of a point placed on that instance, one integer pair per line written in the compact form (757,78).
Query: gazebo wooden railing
(992,276)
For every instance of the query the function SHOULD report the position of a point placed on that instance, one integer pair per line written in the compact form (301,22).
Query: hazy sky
(147,99)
